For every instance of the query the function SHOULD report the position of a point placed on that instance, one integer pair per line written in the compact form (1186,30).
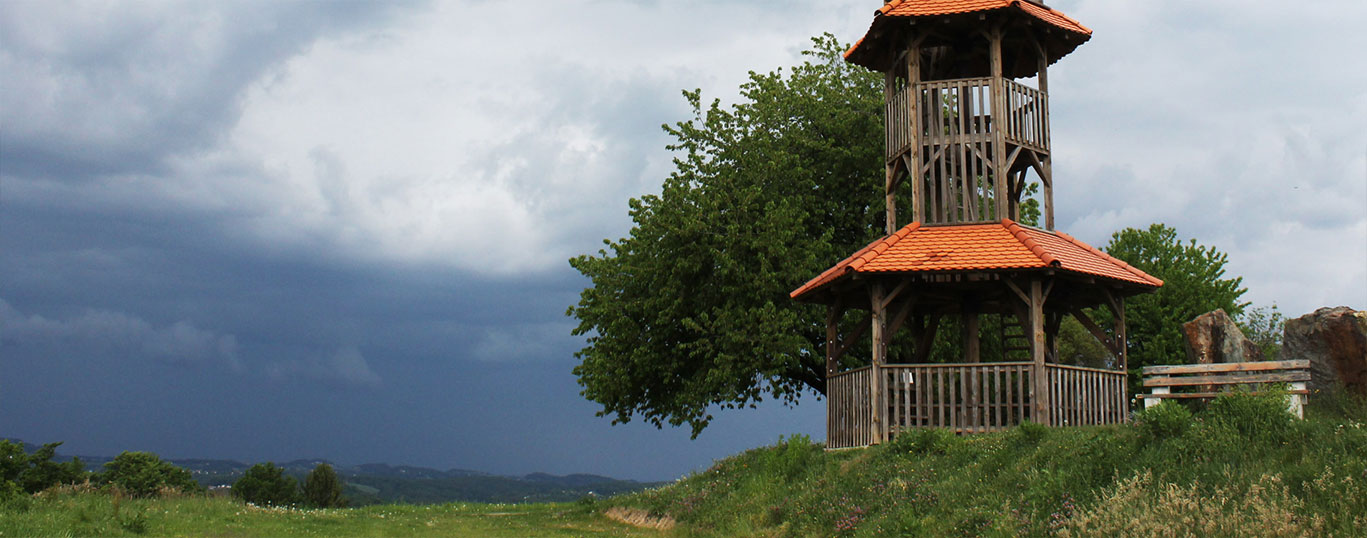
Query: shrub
(322,488)
(791,457)
(1028,434)
(36,472)
(144,474)
(1262,416)
(266,484)
(1166,420)
(924,441)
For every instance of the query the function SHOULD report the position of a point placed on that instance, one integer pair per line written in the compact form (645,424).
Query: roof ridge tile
(1029,242)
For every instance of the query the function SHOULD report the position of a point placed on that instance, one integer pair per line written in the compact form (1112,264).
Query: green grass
(1241,467)
(96,514)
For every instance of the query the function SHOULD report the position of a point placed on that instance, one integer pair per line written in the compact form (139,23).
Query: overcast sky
(279,230)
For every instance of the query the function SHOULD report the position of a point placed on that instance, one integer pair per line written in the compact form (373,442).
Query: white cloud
(104,330)
(1238,123)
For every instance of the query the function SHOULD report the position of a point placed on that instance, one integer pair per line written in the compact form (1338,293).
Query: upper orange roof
(931,8)
(971,247)
(922,8)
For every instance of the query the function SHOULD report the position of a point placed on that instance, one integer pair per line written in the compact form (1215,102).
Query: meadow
(71,511)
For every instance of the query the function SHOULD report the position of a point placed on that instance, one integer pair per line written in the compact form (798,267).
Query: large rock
(1214,337)
(1335,342)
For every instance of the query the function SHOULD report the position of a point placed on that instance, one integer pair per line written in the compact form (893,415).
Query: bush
(924,441)
(144,474)
(322,488)
(265,484)
(1262,416)
(36,472)
(791,457)
(1166,420)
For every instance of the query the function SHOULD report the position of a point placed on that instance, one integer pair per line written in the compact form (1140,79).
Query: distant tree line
(144,474)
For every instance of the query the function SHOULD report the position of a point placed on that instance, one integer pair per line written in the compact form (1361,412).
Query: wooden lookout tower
(966,134)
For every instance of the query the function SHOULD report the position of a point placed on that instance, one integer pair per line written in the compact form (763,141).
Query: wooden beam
(833,314)
(887,300)
(850,339)
(901,315)
(972,349)
(1019,292)
(927,339)
(1096,331)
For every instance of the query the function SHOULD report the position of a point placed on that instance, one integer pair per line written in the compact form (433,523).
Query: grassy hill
(1239,467)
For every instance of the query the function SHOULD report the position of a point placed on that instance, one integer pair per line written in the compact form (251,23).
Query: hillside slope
(1239,467)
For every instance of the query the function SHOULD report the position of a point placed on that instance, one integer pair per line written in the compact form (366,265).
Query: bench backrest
(1228,373)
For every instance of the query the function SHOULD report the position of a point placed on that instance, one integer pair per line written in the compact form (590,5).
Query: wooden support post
(914,175)
(833,314)
(876,402)
(1122,342)
(999,114)
(1041,389)
(1047,176)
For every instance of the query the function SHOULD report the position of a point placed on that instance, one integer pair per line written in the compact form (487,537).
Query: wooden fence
(1086,396)
(966,398)
(849,420)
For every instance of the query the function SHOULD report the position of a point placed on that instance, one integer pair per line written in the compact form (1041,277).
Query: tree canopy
(1194,283)
(691,310)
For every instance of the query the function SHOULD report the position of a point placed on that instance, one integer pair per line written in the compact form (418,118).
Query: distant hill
(375,483)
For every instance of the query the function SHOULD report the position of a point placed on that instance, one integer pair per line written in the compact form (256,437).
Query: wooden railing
(897,123)
(960,112)
(968,398)
(1085,396)
(1027,116)
(849,417)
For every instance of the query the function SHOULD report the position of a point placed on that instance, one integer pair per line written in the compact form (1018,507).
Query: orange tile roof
(1001,245)
(922,8)
(927,8)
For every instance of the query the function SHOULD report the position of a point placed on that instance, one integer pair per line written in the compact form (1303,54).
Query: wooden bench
(1210,380)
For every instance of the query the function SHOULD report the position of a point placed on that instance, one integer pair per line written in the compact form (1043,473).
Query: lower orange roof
(1003,245)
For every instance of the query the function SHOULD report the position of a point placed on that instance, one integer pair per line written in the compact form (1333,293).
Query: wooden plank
(1286,377)
(1227,367)
(1206,394)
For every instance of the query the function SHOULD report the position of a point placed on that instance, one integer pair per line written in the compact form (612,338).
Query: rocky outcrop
(1214,337)
(1335,342)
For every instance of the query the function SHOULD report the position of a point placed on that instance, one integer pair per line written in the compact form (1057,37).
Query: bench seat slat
(1203,394)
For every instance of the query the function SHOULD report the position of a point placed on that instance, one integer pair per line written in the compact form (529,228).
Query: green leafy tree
(691,312)
(266,484)
(13,461)
(1194,283)
(41,472)
(323,489)
(1264,326)
(144,474)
